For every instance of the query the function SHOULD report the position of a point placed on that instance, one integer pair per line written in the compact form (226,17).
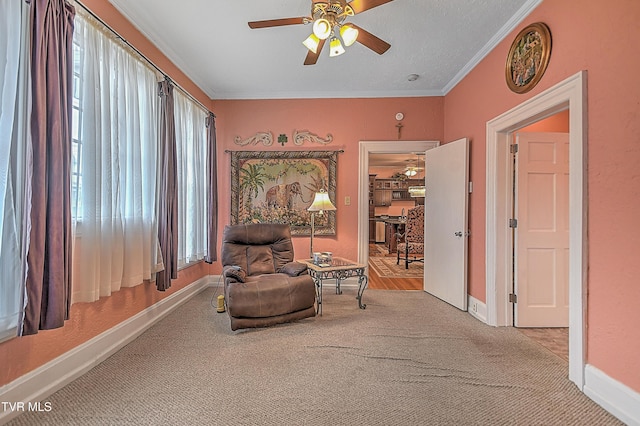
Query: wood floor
(383,283)
(554,339)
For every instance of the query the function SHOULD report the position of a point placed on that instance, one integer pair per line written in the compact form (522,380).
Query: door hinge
(513,148)
(513,298)
(513,223)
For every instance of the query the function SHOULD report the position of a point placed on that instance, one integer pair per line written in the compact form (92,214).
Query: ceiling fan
(329,22)
(412,170)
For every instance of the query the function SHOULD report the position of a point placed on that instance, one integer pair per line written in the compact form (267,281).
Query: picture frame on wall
(279,186)
(528,57)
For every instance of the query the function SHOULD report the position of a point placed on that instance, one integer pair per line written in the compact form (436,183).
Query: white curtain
(14,161)
(116,241)
(191,141)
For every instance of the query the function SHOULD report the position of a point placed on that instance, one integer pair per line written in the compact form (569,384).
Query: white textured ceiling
(440,40)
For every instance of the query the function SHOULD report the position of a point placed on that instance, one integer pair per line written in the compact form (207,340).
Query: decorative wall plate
(528,57)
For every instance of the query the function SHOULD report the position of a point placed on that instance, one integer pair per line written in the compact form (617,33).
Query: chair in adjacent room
(411,242)
(263,286)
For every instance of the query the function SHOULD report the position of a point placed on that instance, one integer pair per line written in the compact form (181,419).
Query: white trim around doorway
(569,94)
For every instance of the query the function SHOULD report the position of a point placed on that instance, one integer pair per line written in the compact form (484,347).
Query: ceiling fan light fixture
(312,43)
(322,28)
(328,20)
(349,34)
(336,47)
(411,172)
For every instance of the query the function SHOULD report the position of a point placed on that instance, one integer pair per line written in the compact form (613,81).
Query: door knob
(458,234)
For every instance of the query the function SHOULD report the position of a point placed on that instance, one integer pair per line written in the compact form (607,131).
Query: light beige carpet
(407,359)
(386,267)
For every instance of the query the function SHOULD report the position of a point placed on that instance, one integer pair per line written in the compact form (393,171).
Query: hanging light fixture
(411,171)
(322,28)
(312,43)
(336,47)
(417,191)
(327,16)
(349,34)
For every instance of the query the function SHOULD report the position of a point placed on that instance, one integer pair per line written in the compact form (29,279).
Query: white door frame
(377,147)
(568,94)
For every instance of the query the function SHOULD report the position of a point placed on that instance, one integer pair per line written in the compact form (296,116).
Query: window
(114,131)
(76,148)
(191,151)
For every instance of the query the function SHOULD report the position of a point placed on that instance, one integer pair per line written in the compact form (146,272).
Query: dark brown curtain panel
(168,184)
(212,206)
(48,284)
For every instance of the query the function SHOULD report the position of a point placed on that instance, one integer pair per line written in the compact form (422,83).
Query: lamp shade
(336,47)
(348,34)
(321,203)
(322,28)
(312,43)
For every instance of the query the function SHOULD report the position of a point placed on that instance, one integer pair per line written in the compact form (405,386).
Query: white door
(445,249)
(541,242)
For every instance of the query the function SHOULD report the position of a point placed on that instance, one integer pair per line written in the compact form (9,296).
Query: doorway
(541,233)
(541,224)
(569,94)
(377,147)
(392,177)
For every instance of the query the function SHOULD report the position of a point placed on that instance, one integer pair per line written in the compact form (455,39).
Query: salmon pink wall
(348,120)
(21,355)
(556,123)
(597,37)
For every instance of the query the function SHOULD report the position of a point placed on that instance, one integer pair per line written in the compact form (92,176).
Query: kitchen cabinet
(388,190)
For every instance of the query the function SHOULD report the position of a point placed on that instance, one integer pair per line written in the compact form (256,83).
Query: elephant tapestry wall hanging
(279,186)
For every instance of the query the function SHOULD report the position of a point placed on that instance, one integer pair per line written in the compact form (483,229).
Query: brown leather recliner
(262,284)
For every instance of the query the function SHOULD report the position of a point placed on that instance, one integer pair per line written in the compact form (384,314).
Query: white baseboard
(38,384)
(477,309)
(615,397)
(216,281)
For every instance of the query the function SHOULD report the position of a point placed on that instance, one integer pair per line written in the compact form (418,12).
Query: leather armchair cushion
(235,274)
(240,240)
(293,269)
(260,260)
(270,295)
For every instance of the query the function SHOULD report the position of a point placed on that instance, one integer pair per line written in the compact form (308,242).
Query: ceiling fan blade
(276,22)
(360,6)
(372,42)
(312,58)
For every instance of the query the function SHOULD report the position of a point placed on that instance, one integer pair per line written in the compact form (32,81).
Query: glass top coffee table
(338,269)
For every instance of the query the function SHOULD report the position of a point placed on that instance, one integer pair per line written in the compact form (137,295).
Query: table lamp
(321,203)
